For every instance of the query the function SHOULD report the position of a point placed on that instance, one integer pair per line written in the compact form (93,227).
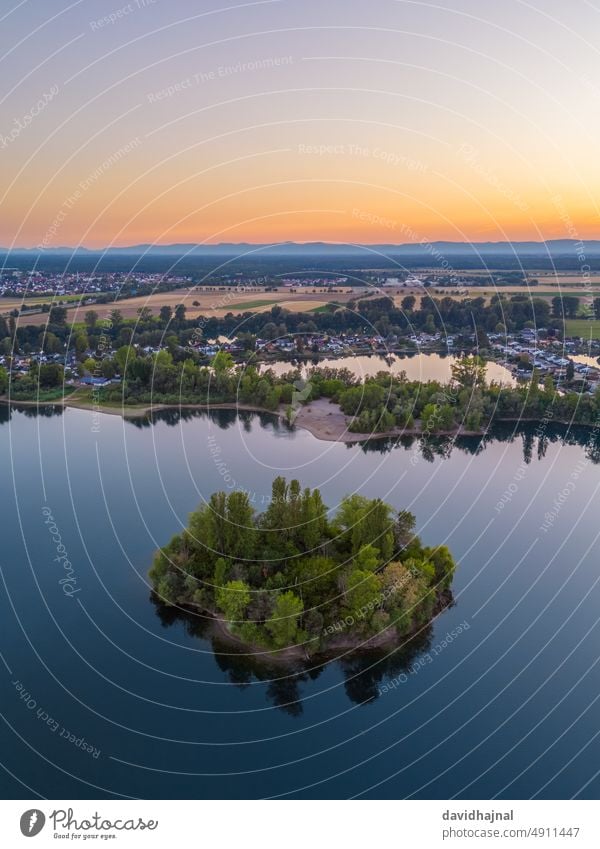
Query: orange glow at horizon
(306,131)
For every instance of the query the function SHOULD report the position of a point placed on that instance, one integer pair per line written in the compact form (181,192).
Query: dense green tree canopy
(291,575)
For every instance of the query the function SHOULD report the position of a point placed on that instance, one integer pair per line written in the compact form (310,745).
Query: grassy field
(47,299)
(582,327)
(303,304)
(250,305)
(43,396)
(488,292)
(7,304)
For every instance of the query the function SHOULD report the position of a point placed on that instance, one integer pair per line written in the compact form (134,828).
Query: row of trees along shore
(379,404)
(297,576)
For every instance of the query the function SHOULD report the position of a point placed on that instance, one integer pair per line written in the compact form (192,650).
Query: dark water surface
(508,706)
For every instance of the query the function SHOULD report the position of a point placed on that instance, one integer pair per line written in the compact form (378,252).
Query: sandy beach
(322,418)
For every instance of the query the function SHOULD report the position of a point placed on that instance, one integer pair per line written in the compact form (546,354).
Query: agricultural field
(218,301)
(214,303)
(582,327)
(541,291)
(8,304)
(487,292)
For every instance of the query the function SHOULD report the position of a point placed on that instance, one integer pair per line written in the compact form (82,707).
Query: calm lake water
(420,367)
(507,707)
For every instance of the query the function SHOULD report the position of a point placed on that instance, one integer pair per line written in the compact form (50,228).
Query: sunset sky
(335,120)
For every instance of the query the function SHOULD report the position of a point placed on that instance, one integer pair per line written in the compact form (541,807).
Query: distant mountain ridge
(437,250)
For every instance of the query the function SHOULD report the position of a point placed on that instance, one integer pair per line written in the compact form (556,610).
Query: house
(94,381)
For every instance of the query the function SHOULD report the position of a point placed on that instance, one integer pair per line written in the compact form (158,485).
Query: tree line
(379,404)
(378,315)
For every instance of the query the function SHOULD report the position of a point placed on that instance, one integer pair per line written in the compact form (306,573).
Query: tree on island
(293,576)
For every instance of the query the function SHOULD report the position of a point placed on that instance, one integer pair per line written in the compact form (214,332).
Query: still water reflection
(422,367)
(506,708)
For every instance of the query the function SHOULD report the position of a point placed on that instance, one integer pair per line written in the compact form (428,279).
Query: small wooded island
(295,579)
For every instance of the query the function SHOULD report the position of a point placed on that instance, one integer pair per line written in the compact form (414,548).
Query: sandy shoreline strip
(322,418)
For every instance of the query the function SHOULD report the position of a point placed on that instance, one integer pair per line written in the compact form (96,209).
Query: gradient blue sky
(379,121)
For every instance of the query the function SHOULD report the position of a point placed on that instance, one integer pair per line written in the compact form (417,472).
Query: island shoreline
(387,639)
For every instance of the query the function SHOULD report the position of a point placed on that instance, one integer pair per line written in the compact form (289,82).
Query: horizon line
(291,243)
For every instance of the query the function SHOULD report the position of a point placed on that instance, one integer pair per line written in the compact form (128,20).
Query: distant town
(534,330)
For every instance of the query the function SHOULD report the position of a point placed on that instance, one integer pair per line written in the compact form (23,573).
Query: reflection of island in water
(532,435)
(535,437)
(32,411)
(364,672)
